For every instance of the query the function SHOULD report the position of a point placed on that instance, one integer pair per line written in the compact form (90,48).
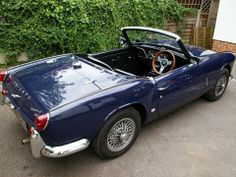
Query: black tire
(212,95)
(100,143)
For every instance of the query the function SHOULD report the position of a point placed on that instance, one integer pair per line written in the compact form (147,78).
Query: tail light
(3,75)
(41,122)
(30,130)
(4,92)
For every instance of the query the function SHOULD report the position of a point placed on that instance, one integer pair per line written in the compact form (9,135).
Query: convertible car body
(69,101)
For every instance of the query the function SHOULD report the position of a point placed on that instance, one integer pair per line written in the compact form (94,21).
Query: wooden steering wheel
(163,61)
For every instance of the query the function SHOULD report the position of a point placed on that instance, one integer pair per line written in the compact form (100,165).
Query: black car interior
(136,60)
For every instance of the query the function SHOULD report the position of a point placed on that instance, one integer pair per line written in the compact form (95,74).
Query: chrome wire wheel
(121,134)
(221,85)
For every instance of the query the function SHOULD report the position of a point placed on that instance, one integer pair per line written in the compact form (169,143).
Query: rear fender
(129,105)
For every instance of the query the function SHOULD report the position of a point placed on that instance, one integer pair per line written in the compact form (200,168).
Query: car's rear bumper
(39,147)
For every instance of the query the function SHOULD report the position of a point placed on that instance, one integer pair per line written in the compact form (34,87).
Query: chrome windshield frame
(159,31)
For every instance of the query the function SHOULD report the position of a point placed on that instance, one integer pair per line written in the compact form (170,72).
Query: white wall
(225,29)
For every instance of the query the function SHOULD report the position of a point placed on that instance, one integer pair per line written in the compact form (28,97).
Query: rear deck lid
(60,80)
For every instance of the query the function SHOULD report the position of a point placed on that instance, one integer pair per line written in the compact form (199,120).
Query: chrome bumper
(38,146)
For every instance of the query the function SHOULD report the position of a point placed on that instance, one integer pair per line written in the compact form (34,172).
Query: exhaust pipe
(25,141)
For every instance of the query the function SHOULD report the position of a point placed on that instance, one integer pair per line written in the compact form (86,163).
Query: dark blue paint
(78,108)
(56,81)
(183,84)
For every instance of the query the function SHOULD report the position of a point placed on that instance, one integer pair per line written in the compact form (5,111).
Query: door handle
(163,88)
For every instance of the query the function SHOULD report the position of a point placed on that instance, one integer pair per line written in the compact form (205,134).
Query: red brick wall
(223,46)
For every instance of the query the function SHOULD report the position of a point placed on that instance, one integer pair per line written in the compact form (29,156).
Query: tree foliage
(48,27)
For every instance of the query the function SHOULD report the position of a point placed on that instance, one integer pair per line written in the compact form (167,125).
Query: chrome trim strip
(152,29)
(98,61)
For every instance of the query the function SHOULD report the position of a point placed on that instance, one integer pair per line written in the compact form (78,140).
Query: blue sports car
(71,101)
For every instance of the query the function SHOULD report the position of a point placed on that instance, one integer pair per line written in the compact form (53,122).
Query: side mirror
(122,41)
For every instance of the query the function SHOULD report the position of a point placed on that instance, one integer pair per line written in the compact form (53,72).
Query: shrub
(48,27)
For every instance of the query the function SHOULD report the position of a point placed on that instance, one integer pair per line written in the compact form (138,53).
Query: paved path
(198,140)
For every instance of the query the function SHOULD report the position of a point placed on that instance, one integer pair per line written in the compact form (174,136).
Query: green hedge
(48,27)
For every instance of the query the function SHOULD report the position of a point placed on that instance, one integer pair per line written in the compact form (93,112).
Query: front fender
(214,64)
(228,61)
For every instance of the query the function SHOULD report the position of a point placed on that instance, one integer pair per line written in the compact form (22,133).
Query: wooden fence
(196,4)
(200,36)
(203,5)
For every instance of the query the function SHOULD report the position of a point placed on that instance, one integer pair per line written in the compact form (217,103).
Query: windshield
(153,38)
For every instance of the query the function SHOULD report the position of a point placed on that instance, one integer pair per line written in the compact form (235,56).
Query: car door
(179,87)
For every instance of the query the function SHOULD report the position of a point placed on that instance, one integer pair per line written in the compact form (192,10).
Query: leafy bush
(48,27)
